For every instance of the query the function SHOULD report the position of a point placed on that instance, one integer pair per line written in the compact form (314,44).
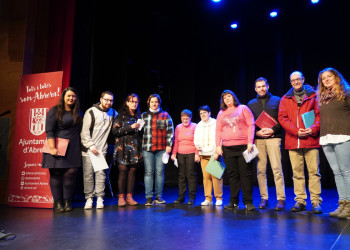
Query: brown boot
(346,211)
(338,210)
(130,201)
(121,200)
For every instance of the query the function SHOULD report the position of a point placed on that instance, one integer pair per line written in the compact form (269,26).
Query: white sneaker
(206,203)
(88,204)
(99,203)
(218,203)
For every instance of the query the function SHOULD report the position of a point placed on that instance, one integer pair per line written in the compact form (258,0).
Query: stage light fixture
(314,1)
(274,13)
(216,1)
(234,26)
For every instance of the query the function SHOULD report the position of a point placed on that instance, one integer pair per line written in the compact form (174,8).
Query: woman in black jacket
(127,150)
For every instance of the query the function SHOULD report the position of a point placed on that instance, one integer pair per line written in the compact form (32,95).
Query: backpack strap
(92,122)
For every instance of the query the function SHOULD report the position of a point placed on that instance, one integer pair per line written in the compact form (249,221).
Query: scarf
(299,95)
(327,96)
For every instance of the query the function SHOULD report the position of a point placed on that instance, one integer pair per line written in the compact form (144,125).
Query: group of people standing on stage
(149,138)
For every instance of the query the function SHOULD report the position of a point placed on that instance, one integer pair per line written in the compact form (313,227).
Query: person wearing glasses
(301,142)
(186,154)
(334,99)
(127,150)
(97,125)
(204,140)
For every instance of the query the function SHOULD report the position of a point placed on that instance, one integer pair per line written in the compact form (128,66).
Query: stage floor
(177,226)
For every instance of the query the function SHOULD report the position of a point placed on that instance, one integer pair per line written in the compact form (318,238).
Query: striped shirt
(158,131)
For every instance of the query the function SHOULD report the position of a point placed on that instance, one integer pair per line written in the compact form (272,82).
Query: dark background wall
(186,51)
(183,50)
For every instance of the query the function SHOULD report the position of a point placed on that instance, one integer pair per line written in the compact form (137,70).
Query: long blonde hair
(340,88)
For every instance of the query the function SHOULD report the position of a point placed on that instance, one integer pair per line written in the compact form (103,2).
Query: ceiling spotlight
(273,13)
(234,26)
(314,1)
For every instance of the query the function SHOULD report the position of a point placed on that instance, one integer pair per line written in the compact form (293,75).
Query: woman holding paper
(63,121)
(157,141)
(234,134)
(204,140)
(127,150)
(186,154)
(333,94)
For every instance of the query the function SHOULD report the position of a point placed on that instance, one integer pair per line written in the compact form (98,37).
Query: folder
(308,118)
(61,146)
(215,167)
(265,121)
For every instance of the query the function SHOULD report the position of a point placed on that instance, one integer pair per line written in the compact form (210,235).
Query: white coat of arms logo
(37,119)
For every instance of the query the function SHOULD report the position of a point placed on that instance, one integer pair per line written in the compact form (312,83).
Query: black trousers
(186,171)
(239,173)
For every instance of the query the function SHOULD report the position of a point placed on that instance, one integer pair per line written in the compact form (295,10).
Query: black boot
(67,205)
(58,208)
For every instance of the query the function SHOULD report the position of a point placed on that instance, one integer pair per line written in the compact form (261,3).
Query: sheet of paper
(141,122)
(250,156)
(165,158)
(98,161)
(175,163)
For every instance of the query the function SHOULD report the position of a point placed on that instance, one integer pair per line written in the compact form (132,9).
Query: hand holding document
(61,146)
(308,118)
(141,122)
(98,161)
(165,158)
(250,156)
(265,121)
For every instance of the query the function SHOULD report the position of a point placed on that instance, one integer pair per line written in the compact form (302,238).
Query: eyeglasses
(136,102)
(295,80)
(107,100)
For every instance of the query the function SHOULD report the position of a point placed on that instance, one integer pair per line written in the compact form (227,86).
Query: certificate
(98,161)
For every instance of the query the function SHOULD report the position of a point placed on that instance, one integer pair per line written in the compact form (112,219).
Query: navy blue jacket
(270,107)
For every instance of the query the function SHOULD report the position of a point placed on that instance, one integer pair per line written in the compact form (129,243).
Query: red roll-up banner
(29,183)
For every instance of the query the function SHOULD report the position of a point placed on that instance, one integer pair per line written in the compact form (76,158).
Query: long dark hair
(129,98)
(223,106)
(75,111)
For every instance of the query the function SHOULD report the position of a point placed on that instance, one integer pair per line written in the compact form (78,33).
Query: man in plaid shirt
(157,140)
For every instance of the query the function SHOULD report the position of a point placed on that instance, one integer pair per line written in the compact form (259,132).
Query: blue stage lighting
(234,26)
(216,1)
(273,13)
(314,1)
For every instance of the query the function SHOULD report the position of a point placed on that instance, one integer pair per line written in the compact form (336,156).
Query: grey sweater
(102,124)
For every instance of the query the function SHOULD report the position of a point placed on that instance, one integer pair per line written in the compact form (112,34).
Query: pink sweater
(235,126)
(183,142)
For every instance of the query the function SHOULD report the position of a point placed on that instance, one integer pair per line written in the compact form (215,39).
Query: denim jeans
(338,156)
(153,166)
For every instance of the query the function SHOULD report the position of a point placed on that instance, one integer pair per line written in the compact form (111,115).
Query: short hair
(296,72)
(154,96)
(106,93)
(186,112)
(260,79)
(204,107)
(223,106)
